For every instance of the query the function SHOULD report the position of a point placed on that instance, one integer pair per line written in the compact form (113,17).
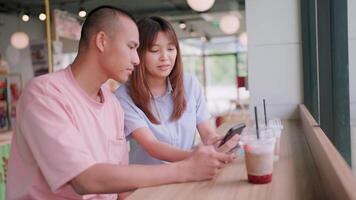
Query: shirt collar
(169,86)
(169,90)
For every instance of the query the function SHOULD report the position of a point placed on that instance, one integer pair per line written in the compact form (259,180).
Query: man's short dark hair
(101,18)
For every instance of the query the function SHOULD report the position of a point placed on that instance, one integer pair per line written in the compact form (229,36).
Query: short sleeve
(132,117)
(57,146)
(201,107)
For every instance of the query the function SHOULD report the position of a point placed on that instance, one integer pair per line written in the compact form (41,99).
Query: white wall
(274,56)
(352,57)
(20,60)
(352,77)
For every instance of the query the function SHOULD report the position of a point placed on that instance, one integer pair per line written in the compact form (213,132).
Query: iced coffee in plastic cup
(275,127)
(259,156)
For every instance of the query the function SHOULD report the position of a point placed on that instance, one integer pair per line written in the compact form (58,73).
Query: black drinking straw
(256,120)
(264,109)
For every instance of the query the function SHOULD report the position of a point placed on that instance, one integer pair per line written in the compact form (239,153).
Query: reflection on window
(221,82)
(222,60)
(194,66)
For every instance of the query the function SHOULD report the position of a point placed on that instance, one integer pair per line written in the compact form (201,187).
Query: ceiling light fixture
(200,5)
(19,40)
(182,25)
(25,17)
(82,13)
(229,24)
(42,16)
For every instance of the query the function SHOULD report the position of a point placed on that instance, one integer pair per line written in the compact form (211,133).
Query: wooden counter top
(294,177)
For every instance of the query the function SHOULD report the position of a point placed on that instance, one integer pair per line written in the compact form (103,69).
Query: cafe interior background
(288,52)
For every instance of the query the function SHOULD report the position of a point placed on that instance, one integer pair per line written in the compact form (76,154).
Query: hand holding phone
(236,129)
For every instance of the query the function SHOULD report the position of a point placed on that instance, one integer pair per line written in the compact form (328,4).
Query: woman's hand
(229,145)
(214,140)
(225,148)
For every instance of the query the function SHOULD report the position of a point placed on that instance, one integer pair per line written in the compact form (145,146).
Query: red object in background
(218,121)
(15,92)
(241,81)
(2,90)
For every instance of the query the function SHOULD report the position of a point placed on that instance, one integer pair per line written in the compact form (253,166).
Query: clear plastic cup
(259,156)
(277,127)
(275,123)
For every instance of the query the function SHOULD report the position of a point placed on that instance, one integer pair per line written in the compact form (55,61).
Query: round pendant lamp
(229,24)
(19,40)
(200,5)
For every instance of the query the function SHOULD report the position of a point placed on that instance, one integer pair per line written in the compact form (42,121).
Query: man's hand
(203,164)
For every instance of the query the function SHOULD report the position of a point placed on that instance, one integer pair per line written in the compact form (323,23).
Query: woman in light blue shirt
(163,106)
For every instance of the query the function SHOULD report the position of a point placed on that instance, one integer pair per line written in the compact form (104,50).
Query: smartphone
(236,129)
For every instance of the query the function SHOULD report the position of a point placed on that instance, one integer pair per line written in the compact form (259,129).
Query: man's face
(120,55)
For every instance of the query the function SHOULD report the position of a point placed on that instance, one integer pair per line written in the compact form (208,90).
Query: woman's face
(160,57)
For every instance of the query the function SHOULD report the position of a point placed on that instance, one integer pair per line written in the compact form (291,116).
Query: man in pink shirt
(69,141)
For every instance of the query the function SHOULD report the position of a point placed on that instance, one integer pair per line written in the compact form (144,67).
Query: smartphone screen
(236,129)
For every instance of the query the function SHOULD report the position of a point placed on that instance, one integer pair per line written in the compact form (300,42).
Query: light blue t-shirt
(180,133)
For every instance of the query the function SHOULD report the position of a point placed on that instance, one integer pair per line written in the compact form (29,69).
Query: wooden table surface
(294,177)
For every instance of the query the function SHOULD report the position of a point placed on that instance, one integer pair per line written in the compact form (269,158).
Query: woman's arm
(207,132)
(157,149)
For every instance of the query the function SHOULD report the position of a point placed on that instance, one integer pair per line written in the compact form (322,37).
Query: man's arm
(203,164)
(109,178)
